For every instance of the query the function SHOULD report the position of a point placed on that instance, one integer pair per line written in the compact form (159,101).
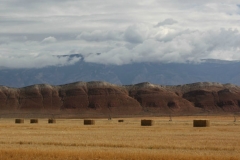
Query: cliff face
(104,99)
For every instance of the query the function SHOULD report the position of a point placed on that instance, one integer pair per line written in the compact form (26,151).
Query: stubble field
(69,139)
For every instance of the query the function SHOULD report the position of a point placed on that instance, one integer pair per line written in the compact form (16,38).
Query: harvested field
(71,139)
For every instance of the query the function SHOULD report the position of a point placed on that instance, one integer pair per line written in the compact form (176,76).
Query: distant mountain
(156,73)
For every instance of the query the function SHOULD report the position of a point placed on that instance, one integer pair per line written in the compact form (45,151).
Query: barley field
(69,139)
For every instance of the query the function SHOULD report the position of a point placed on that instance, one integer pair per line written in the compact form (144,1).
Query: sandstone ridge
(102,99)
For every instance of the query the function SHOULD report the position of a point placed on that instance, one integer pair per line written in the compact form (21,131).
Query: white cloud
(168,21)
(186,46)
(98,35)
(35,61)
(123,31)
(133,35)
(49,40)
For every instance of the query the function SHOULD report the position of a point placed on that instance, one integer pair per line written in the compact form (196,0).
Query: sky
(33,33)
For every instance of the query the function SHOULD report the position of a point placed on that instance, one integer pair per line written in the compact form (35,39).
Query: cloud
(187,46)
(168,21)
(122,31)
(133,35)
(35,61)
(49,40)
(98,35)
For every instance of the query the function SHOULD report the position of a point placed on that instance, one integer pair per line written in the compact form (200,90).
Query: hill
(102,99)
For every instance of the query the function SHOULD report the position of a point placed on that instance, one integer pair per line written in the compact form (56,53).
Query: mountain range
(208,70)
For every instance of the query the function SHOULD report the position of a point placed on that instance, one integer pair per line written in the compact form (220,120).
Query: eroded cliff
(102,99)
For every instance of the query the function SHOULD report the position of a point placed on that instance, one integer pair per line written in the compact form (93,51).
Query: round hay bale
(51,120)
(146,122)
(120,120)
(201,123)
(19,120)
(88,122)
(33,120)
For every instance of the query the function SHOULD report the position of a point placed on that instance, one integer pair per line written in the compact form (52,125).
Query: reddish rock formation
(214,97)
(158,99)
(101,99)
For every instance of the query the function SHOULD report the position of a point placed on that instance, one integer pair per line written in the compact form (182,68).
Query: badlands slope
(102,99)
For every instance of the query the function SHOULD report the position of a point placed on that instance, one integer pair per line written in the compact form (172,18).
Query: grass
(70,139)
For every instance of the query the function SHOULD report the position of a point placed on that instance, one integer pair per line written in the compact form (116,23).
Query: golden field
(69,139)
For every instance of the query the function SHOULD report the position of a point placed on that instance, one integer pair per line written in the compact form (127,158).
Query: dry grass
(70,139)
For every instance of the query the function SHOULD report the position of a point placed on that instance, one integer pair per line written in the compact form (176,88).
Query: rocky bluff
(101,99)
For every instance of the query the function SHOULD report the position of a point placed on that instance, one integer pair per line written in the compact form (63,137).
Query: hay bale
(201,123)
(51,120)
(145,122)
(33,120)
(88,122)
(120,120)
(19,120)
